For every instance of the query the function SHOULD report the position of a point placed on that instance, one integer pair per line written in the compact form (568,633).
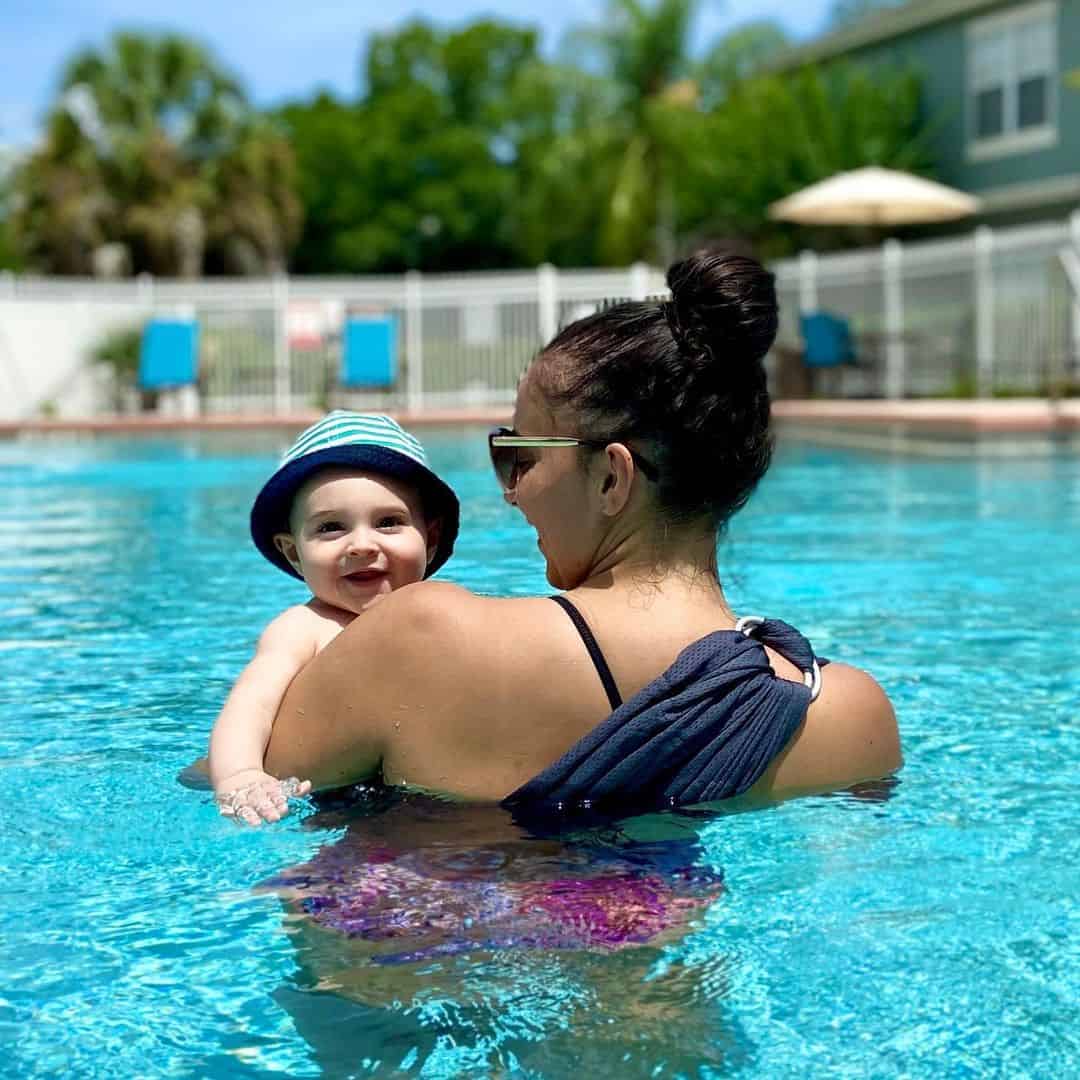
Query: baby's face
(356,537)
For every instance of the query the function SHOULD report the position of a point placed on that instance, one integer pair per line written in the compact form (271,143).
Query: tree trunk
(190,238)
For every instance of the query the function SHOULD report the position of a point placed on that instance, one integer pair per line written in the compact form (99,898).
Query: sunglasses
(504,443)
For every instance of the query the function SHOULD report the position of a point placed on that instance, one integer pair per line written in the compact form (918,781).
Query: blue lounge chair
(169,354)
(827,340)
(369,356)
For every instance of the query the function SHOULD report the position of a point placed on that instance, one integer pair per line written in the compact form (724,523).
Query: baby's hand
(253,796)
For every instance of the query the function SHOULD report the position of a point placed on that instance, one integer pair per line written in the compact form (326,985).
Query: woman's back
(490,693)
(473,697)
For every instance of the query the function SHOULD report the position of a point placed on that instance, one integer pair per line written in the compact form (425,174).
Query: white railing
(273,345)
(1070,263)
(984,313)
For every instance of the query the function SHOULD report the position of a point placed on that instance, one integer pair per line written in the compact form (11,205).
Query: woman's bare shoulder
(849,734)
(443,627)
(441,609)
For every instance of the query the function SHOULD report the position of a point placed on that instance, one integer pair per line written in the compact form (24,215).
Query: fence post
(639,281)
(144,291)
(144,302)
(984,311)
(1074,235)
(808,295)
(282,380)
(547,297)
(414,341)
(895,353)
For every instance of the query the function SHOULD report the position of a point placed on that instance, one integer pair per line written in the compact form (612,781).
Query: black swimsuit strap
(597,657)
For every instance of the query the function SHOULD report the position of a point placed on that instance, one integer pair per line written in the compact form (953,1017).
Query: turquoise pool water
(930,934)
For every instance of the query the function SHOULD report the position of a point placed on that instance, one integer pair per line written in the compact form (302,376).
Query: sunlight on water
(924,931)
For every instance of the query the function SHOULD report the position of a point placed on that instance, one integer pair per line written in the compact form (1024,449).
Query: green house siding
(939,53)
(1069,96)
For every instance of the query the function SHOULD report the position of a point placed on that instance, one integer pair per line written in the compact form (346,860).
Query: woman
(638,432)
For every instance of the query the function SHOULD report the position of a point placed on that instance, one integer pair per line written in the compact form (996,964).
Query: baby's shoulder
(324,620)
(311,625)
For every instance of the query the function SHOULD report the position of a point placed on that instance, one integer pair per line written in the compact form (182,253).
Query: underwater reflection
(450,938)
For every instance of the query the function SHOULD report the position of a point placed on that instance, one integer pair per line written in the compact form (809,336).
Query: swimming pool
(927,934)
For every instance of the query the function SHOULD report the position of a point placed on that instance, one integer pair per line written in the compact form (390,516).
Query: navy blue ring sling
(705,729)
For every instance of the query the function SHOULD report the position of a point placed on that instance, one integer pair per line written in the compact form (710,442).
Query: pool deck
(938,416)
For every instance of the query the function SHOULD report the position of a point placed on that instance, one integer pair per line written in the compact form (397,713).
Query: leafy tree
(9,259)
(420,192)
(61,202)
(145,147)
(776,133)
(467,149)
(644,51)
(472,69)
(429,153)
(739,54)
(256,216)
(564,163)
(118,351)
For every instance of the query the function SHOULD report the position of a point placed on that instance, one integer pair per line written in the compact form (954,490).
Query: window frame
(1012,139)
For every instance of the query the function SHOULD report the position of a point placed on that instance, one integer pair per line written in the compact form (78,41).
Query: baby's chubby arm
(242,730)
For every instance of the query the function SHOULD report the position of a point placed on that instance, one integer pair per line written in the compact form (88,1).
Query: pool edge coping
(975,417)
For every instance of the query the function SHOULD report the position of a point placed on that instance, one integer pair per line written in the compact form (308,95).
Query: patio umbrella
(874,196)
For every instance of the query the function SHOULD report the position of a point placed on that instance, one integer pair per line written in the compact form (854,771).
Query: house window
(1012,64)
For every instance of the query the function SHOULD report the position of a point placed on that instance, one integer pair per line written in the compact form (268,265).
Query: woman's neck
(678,565)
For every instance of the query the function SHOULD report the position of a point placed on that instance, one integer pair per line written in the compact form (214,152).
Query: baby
(356,513)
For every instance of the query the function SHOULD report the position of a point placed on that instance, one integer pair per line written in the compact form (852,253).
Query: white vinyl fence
(274,346)
(986,313)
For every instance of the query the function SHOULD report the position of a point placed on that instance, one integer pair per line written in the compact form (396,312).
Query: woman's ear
(617,479)
(285,543)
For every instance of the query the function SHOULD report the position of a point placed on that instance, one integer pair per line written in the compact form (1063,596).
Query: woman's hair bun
(722,305)
(684,377)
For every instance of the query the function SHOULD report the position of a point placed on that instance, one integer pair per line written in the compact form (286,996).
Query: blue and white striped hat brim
(367,442)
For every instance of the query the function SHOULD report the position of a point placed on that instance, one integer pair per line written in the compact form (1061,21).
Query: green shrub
(119,351)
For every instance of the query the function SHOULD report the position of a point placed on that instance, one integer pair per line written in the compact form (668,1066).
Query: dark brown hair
(684,377)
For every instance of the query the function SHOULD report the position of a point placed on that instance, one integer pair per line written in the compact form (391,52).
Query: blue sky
(284,48)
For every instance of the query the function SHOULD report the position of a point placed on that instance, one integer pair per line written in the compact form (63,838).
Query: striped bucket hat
(367,442)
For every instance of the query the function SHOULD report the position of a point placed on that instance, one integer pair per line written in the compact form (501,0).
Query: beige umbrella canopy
(874,196)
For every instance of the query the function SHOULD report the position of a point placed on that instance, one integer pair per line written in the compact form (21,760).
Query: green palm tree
(644,51)
(158,110)
(159,135)
(256,215)
(60,203)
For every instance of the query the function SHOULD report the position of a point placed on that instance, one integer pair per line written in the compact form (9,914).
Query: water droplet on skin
(397,725)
